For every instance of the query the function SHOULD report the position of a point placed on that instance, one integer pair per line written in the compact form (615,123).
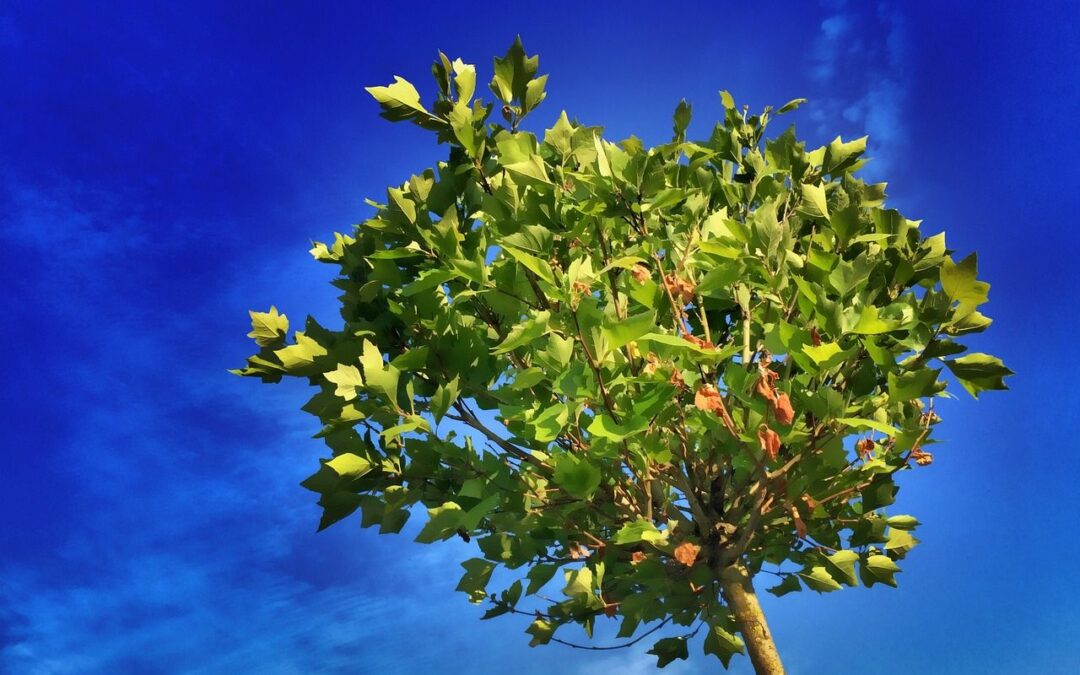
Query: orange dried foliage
(695,340)
(680,289)
(782,410)
(800,526)
(769,441)
(640,273)
(765,389)
(578,552)
(707,399)
(922,458)
(687,553)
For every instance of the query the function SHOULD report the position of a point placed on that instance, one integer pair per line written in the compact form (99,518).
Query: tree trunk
(740,597)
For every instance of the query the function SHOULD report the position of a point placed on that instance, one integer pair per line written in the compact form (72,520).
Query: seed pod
(864,447)
(652,362)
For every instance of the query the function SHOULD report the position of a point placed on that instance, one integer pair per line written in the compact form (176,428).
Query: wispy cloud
(189,547)
(859,59)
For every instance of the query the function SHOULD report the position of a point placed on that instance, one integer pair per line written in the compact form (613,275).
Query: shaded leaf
(979,372)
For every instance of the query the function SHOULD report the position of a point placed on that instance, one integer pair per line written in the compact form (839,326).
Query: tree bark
(740,597)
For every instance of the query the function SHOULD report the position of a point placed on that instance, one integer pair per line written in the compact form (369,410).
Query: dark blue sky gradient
(163,170)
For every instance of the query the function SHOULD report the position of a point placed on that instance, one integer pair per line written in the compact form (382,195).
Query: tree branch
(465,416)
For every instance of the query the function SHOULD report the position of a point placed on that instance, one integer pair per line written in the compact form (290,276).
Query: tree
(643,376)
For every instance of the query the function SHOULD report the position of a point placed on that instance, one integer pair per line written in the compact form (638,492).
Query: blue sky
(163,170)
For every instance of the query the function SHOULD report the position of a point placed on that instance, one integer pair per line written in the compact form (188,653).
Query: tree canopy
(634,375)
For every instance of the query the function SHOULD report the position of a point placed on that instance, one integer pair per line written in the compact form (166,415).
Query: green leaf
(548,424)
(723,644)
(878,569)
(915,384)
(300,355)
(639,530)
(533,170)
(443,398)
(845,222)
(336,506)
(560,135)
(979,372)
(602,163)
(576,475)
(681,345)
(541,631)
(412,361)
(790,584)
(847,276)
(378,375)
(560,350)
(959,282)
(400,101)
(471,520)
(826,355)
(268,328)
(605,427)
(337,473)
(860,423)
(819,579)
(537,266)
(813,201)
(839,156)
(538,576)
(841,565)
(869,322)
(427,280)
(464,80)
(347,379)
(475,580)
(726,100)
(579,585)
(512,74)
(534,93)
(622,331)
(681,120)
(463,124)
(791,105)
(669,649)
(413,423)
(900,542)
(524,333)
(443,523)
(903,522)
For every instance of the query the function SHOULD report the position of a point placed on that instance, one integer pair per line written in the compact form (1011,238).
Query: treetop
(624,370)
